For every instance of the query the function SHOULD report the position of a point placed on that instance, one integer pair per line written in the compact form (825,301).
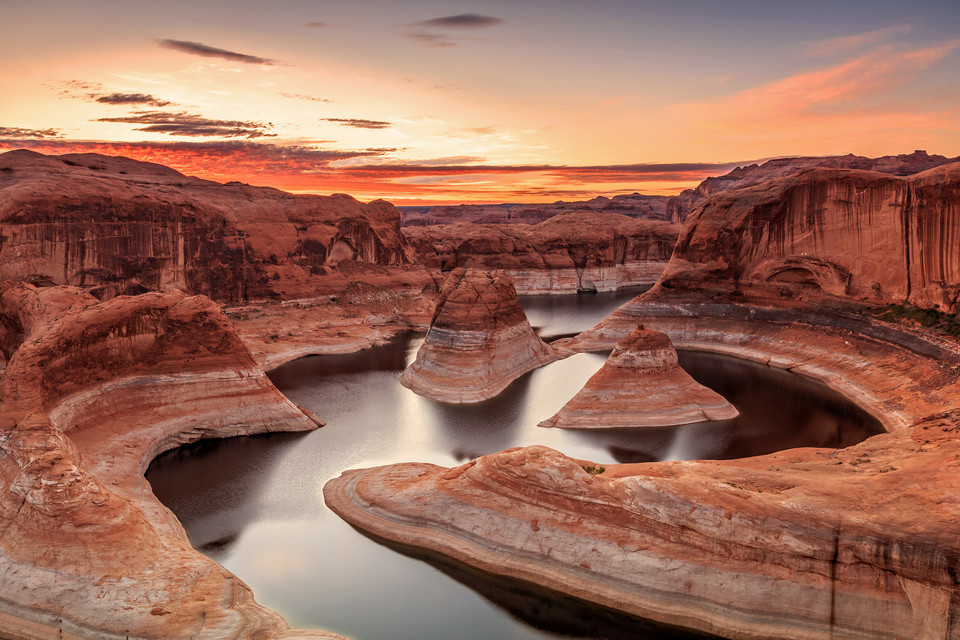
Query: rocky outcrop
(641,385)
(479,341)
(853,234)
(91,393)
(576,251)
(634,205)
(680,205)
(113,225)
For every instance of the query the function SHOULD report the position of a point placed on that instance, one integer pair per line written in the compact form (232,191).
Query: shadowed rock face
(641,385)
(114,225)
(680,205)
(91,393)
(853,234)
(576,251)
(479,340)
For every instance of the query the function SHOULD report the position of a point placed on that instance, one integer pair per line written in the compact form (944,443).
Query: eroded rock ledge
(641,385)
(92,392)
(478,343)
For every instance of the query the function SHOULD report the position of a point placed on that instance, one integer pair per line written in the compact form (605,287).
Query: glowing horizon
(493,102)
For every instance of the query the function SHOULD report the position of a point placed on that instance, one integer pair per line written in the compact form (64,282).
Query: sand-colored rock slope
(641,385)
(91,393)
(569,252)
(479,341)
(861,542)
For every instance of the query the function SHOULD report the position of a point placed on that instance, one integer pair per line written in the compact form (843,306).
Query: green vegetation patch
(931,318)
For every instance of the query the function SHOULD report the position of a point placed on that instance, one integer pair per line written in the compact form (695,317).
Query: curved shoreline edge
(801,544)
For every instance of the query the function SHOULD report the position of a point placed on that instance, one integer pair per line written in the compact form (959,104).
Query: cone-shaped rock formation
(478,343)
(641,385)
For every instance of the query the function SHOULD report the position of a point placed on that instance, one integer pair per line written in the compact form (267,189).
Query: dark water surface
(255,504)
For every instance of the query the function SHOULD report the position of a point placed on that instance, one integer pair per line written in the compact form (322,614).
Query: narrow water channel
(254,504)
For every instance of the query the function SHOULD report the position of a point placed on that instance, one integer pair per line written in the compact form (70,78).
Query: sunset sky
(478,101)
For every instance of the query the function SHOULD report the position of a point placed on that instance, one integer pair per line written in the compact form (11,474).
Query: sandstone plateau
(479,341)
(569,252)
(641,385)
(91,393)
(860,542)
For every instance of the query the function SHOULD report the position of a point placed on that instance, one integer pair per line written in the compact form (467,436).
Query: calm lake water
(255,504)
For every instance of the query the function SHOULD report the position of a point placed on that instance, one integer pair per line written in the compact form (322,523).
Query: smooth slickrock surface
(91,393)
(478,343)
(641,385)
(575,251)
(803,544)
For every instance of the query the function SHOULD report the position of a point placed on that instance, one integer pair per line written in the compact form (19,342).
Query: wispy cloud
(360,123)
(317,25)
(131,98)
(461,21)
(189,124)
(36,134)
(199,49)
(845,44)
(301,96)
(431,39)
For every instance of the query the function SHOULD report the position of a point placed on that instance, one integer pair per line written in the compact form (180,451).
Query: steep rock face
(113,225)
(678,207)
(634,205)
(576,251)
(641,385)
(856,234)
(478,343)
(91,393)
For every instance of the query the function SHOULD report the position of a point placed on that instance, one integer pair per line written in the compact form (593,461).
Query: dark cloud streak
(462,21)
(431,39)
(360,123)
(131,98)
(35,134)
(199,49)
(189,124)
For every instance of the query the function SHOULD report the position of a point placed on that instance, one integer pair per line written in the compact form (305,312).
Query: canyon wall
(679,206)
(570,252)
(854,234)
(113,225)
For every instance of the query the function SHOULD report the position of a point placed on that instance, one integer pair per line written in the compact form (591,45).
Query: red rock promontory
(641,385)
(91,392)
(479,340)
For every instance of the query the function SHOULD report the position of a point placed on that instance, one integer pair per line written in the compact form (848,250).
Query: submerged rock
(641,385)
(478,343)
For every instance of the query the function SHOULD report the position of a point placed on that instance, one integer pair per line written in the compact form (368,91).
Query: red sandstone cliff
(113,225)
(848,233)
(679,206)
(575,251)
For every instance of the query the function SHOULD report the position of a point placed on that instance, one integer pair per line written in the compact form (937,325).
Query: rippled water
(254,504)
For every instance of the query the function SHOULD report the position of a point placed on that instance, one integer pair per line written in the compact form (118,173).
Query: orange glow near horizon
(532,106)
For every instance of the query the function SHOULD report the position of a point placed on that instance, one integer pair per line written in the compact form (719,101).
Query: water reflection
(254,504)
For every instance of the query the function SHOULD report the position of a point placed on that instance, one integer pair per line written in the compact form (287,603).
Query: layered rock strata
(828,232)
(634,205)
(576,251)
(679,206)
(91,393)
(479,341)
(641,385)
(112,225)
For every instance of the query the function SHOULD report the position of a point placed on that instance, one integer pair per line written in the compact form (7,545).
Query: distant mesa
(479,341)
(641,385)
